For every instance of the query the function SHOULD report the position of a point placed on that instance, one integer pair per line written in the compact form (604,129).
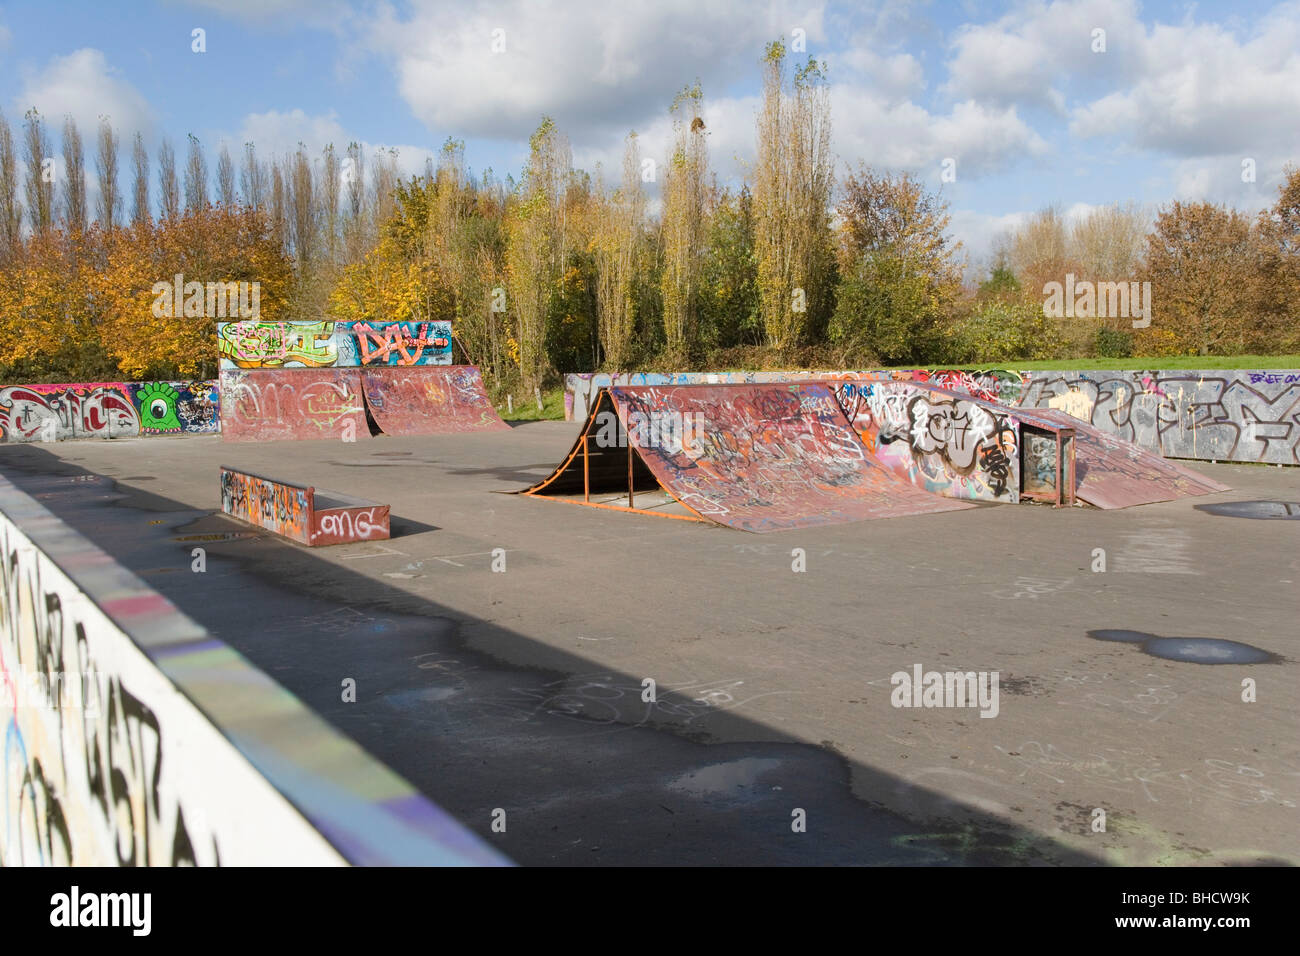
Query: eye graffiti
(157,401)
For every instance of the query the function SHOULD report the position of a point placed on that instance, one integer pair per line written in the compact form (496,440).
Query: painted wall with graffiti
(949,445)
(139,739)
(328,344)
(107,410)
(1220,415)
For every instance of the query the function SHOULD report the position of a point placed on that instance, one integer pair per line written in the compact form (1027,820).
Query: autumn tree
(139,182)
(169,198)
(1201,261)
(196,176)
(899,268)
(108,206)
(683,224)
(39,185)
(11,210)
(793,179)
(225,177)
(75,214)
(537,246)
(1278,292)
(618,247)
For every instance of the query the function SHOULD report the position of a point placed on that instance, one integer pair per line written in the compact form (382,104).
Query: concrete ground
(523,691)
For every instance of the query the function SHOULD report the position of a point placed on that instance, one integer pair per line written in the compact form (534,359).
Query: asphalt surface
(523,690)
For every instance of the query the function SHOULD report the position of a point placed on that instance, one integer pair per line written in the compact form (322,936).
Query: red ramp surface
(1113,473)
(756,457)
(429,400)
(279,404)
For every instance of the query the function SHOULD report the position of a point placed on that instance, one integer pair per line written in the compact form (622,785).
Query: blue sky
(1013,93)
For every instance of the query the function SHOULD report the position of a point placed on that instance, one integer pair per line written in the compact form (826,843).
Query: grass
(526,408)
(1154,362)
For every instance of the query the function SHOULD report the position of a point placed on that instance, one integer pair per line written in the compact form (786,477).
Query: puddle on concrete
(1286,510)
(1190,650)
(723,777)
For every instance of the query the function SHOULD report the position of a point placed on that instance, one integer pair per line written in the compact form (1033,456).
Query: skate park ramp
(755,457)
(292,404)
(306,403)
(429,400)
(1113,473)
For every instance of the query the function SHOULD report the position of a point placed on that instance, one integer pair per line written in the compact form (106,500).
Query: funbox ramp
(339,403)
(1114,473)
(756,457)
(952,443)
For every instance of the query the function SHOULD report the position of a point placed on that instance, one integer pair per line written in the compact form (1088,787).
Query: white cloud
(6,38)
(980,234)
(83,85)
(597,68)
(902,135)
(1025,56)
(1204,92)
(277,133)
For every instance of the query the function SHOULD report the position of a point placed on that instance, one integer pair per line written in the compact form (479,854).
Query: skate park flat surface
(523,690)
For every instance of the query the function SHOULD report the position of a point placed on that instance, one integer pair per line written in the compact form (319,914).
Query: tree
(683,224)
(252,178)
(39,183)
(11,210)
(225,177)
(74,178)
(196,176)
(1202,261)
(793,179)
(729,307)
(1278,297)
(537,246)
(109,203)
(169,200)
(899,267)
(618,249)
(140,182)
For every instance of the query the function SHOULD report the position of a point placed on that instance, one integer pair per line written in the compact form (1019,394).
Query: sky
(1074,103)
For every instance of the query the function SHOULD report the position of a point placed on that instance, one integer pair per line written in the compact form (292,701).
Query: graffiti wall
(1225,415)
(139,739)
(330,344)
(949,445)
(107,410)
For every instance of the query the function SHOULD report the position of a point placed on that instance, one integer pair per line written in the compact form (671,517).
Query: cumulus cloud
(1204,91)
(982,140)
(1030,54)
(597,68)
(84,86)
(278,133)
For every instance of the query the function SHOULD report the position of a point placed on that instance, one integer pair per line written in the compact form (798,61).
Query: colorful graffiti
(401,343)
(274,505)
(946,443)
(277,345)
(39,413)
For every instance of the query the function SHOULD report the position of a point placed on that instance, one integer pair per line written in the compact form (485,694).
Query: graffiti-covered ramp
(429,400)
(303,403)
(756,457)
